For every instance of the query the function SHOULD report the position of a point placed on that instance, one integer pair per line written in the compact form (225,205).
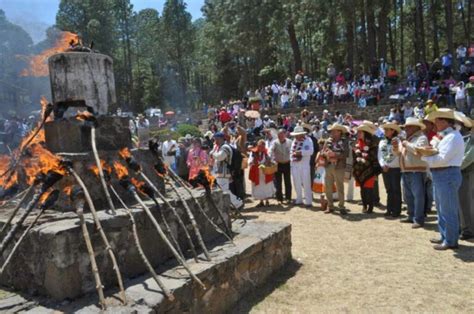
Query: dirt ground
(363,263)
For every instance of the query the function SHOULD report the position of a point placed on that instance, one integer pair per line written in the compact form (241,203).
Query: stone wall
(53,259)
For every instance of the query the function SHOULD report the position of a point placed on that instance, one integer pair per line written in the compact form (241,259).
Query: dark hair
(450,121)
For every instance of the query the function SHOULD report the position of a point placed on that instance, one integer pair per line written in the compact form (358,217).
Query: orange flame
(138,184)
(68,190)
(42,161)
(125,153)
(83,115)
(209,177)
(105,167)
(120,170)
(38,64)
(45,195)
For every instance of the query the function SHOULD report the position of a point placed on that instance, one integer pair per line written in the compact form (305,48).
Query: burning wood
(38,64)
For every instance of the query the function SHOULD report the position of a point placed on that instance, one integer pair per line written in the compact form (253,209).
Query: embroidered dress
(366,165)
(262,185)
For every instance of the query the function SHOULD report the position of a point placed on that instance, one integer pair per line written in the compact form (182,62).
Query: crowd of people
(419,153)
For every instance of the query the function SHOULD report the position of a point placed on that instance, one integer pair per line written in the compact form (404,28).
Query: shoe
(370,210)
(267,203)
(387,213)
(406,220)
(343,211)
(297,203)
(364,209)
(466,237)
(416,226)
(436,241)
(260,205)
(444,247)
(308,206)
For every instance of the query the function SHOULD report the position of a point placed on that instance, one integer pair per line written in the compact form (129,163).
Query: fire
(45,195)
(83,115)
(105,167)
(44,103)
(138,184)
(68,190)
(42,161)
(209,177)
(120,170)
(125,153)
(38,64)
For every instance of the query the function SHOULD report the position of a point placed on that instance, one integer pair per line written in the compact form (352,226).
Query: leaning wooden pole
(15,211)
(139,247)
(101,171)
(102,233)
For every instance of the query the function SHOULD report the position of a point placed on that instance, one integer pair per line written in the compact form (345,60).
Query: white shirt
(303,95)
(275,89)
(165,148)
(284,98)
(394,161)
(306,149)
(450,151)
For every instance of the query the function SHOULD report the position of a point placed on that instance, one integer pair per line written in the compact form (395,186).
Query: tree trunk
(434,21)
(382,29)
(363,32)
(448,7)
(420,29)
(294,46)
(464,22)
(349,23)
(392,36)
(469,20)
(371,30)
(402,37)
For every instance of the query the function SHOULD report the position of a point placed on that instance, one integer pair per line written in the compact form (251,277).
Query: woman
(391,174)
(197,158)
(262,185)
(366,166)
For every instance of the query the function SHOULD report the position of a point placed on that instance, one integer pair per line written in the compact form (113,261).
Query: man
(169,150)
(466,192)
(300,153)
(221,156)
(335,152)
(447,178)
(469,95)
(430,107)
(413,171)
(447,61)
(275,92)
(182,168)
(312,160)
(280,152)
(270,138)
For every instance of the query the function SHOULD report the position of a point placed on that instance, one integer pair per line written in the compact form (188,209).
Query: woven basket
(269,170)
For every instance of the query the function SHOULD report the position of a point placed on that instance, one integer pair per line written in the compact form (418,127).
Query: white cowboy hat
(370,124)
(392,126)
(450,114)
(366,128)
(340,127)
(298,131)
(414,122)
(461,117)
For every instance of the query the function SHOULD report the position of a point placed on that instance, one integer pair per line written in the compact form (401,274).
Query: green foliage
(184,129)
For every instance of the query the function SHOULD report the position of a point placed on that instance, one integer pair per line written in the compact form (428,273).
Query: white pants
(224,185)
(350,189)
(302,180)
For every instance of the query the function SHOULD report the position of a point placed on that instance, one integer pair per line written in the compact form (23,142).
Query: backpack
(235,165)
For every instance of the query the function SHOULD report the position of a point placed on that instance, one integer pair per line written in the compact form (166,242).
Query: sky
(45,10)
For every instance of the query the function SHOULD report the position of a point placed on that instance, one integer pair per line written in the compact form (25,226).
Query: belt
(444,168)
(283,162)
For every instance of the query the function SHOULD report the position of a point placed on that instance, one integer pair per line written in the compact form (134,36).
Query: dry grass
(363,263)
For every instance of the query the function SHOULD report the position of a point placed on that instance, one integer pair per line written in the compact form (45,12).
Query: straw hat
(392,126)
(412,121)
(298,131)
(208,134)
(366,128)
(307,126)
(370,124)
(337,126)
(444,113)
(429,101)
(461,117)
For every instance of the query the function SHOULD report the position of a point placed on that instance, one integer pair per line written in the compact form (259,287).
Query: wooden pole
(15,211)
(102,233)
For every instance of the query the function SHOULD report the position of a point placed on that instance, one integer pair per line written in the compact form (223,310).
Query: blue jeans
(414,190)
(447,183)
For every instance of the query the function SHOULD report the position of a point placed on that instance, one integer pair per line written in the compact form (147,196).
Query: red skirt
(368,184)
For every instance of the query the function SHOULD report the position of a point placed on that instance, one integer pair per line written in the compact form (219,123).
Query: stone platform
(260,249)
(53,259)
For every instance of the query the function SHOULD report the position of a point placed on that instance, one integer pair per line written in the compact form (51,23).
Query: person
(221,158)
(447,61)
(312,163)
(461,53)
(262,184)
(335,152)
(366,167)
(445,167)
(197,158)
(460,96)
(391,173)
(143,130)
(275,92)
(181,166)
(430,107)
(466,195)
(469,95)
(300,153)
(169,148)
(280,152)
(413,171)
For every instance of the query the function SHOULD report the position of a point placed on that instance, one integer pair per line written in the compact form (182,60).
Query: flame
(68,190)
(83,115)
(120,170)
(44,103)
(125,153)
(38,64)
(138,184)
(45,195)
(209,177)
(42,161)
(105,167)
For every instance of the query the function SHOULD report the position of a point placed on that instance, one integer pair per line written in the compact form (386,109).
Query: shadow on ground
(276,281)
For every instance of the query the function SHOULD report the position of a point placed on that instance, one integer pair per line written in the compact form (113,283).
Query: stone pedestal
(53,259)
